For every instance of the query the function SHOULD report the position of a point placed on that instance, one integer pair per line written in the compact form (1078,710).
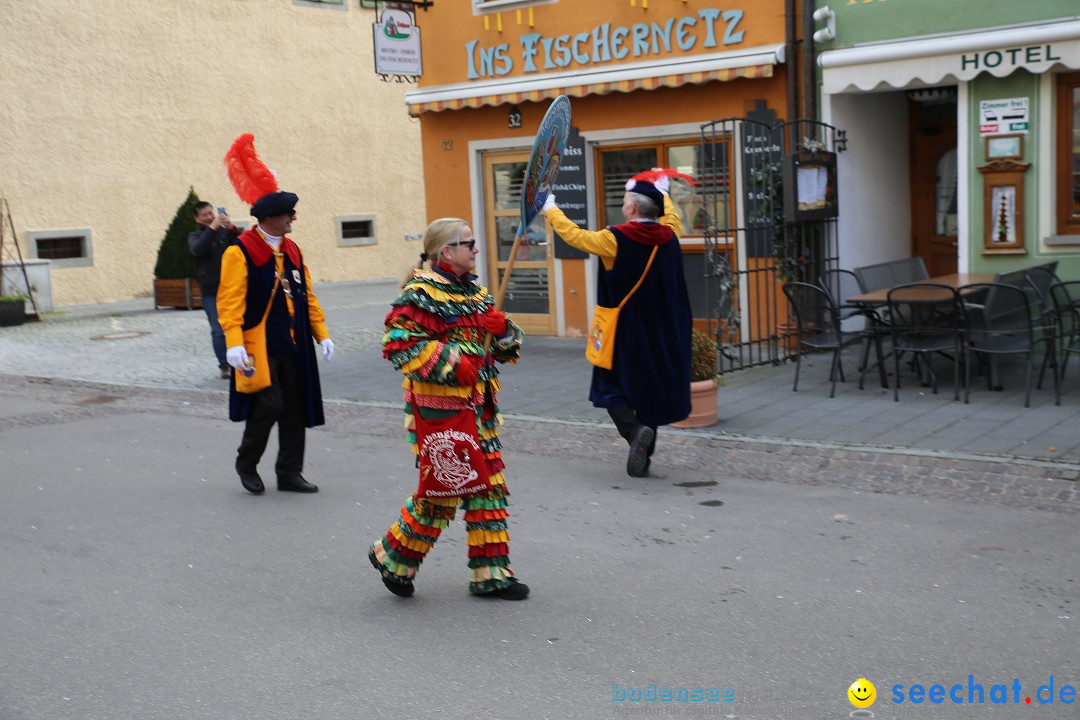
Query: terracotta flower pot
(702,405)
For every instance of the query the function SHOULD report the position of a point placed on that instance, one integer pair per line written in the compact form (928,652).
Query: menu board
(571,193)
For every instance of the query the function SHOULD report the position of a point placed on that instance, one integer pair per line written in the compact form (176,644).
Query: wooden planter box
(179,293)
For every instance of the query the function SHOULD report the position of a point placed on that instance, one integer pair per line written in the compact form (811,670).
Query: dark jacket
(207,245)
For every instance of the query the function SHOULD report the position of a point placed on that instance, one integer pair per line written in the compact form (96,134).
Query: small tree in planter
(174,281)
(704,382)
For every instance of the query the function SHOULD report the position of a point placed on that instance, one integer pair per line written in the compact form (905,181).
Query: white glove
(327,346)
(548,204)
(663,184)
(237,357)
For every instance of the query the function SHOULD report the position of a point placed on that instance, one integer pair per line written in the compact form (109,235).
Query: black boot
(402,587)
(296,483)
(250,480)
(641,443)
(517,591)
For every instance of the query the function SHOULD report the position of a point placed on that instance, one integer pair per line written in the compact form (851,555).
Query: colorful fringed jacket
(435,320)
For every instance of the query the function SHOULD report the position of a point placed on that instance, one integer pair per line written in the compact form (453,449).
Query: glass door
(528,293)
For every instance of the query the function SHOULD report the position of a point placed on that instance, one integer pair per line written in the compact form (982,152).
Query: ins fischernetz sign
(397,44)
(709,28)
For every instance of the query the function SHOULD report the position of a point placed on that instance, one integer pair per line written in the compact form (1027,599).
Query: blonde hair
(438,234)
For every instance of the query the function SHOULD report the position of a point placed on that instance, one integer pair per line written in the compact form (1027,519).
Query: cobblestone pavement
(990,450)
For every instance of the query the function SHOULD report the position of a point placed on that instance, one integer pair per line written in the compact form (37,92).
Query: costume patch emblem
(447,466)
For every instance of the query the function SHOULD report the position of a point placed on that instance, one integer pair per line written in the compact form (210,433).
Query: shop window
(66,248)
(1068,154)
(617,165)
(486,6)
(355,230)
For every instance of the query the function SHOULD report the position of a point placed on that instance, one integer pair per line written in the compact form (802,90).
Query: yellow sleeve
(600,242)
(315,311)
(232,295)
(671,216)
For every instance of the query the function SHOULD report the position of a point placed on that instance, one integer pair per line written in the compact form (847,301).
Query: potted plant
(13,309)
(704,382)
(174,272)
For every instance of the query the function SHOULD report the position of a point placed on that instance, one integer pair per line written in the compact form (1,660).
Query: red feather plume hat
(651,176)
(251,178)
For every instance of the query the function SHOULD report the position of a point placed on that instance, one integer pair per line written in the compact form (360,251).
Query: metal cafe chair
(1065,297)
(892,273)
(1009,325)
(909,270)
(819,328)
(1039,279)
(926,319)
(875,277)
(842,284)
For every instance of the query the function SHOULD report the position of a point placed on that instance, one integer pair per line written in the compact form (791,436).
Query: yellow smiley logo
(862,693)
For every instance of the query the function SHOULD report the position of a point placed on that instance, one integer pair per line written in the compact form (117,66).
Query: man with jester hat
(435,335)
(648,384)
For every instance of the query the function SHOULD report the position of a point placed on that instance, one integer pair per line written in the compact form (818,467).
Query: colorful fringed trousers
(410,539)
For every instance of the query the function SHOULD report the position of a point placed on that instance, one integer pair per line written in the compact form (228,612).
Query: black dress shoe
(402,587)
(517,591)
(296,483)
(637,462)
(252,483)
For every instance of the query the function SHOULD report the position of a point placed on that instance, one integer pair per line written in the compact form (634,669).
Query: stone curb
(984,479)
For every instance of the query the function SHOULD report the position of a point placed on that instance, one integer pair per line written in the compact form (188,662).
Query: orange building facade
(643,76)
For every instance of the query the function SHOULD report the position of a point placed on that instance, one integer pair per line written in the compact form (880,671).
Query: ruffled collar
(447,271)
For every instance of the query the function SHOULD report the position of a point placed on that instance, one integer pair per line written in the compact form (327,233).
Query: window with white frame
(335,4)
(353,230)
(66,248)
(485,6)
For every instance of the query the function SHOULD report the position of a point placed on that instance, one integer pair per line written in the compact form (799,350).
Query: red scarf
(647,233)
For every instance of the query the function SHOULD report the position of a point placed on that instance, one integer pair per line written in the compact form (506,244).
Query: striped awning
(602,88)
(755,62)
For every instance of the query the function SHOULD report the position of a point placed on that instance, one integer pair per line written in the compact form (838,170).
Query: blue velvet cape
(651,369)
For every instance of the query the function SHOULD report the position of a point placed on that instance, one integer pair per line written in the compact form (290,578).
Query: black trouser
(280,403)
(626,422)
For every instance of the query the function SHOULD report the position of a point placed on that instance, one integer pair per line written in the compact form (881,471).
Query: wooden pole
(501,292)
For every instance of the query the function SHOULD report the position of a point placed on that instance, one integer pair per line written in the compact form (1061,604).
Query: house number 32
(513,120)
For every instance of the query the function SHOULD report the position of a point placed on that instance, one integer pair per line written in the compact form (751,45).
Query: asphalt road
(138,580)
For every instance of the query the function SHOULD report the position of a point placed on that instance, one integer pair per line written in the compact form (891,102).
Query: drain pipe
(790,59)
(808,67)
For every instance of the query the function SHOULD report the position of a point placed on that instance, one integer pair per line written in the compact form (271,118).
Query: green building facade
(963,127)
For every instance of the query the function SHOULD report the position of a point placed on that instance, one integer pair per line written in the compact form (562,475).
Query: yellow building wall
(113,108)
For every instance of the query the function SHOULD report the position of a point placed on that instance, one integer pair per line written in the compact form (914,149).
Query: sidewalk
(132,344)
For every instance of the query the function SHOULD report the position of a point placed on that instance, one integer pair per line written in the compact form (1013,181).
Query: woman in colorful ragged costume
(435,336)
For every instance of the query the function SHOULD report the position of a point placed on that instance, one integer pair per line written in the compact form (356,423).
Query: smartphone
(221,211)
